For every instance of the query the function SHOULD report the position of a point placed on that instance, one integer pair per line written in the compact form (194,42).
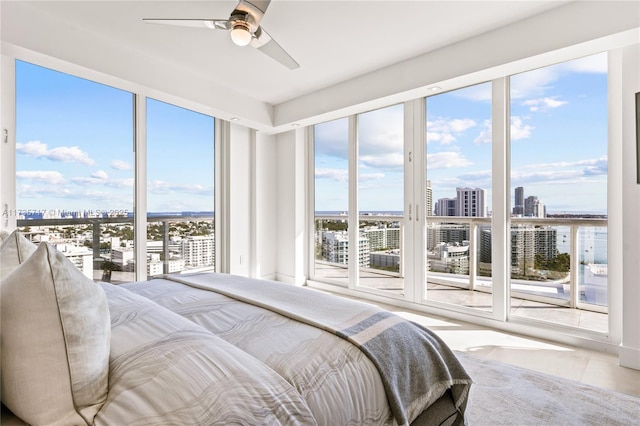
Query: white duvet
(339,384)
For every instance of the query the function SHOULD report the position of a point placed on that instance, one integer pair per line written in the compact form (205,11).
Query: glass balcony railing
(103,247)
(380,251)
(555,262)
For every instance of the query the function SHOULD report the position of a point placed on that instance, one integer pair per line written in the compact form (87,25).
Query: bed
(210,348)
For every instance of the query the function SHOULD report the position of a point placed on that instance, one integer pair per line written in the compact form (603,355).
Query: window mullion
(140,193)
(354,219)
(501,224)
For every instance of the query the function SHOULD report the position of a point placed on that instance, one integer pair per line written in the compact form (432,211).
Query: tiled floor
(591,367)
(479,300)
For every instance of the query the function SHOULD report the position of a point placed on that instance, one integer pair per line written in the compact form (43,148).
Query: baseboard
(289,279)
(629,357)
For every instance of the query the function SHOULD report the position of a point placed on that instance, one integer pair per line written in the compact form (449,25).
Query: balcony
(558,266)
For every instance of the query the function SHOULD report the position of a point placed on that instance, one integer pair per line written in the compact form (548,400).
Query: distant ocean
(367,212)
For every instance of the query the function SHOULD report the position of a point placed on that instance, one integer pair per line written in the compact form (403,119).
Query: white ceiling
(333,41)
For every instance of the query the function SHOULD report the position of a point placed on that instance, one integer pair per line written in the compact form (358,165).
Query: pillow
(56,334)
(14,250)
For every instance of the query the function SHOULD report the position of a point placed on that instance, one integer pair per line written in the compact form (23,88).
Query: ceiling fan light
(240,35)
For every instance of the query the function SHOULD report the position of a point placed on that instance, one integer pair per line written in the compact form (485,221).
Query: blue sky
(75,147)
(558,149)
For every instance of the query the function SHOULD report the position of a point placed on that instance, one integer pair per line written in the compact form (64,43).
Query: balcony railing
(84,232)
(557,261)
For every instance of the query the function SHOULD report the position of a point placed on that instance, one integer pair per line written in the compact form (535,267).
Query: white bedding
(339,383)
(317,343)
(166,370)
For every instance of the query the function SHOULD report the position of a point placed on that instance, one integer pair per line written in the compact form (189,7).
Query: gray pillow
(56,334)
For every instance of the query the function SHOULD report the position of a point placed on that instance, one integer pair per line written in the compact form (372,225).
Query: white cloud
(120,165)
(65,154)
(485,134)
(380,138)
(443,138)
(48,177)
(543,104)
(519,130)
(561,172)
(87,180)
(367,177)
(37,191)
(161,187)
(100,174)
(338,175)
(535,83)
(386,161)
(120,183)
(446,160)
(444,130)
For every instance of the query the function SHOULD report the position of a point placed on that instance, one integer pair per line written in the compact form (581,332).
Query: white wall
(264,209)
(291,192)
(239,221)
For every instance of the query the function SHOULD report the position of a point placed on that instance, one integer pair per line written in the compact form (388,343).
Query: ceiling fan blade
(266,44)
(212,24)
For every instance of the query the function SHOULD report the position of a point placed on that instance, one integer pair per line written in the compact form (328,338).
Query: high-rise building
(471,202)
(335,248)
(518,205)
(445,207)
(429,199)
(527,241)
(533,207)
(199,251)
(455,233)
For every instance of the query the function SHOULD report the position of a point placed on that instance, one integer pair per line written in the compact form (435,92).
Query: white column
(630,231)
(291,207)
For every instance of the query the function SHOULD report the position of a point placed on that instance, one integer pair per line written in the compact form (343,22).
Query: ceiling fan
(244,27)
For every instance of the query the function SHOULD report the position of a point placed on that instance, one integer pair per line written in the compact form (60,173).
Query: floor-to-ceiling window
(559,193)
(331,170)
(74,169)
(180,189)
(459,182)
(381,163)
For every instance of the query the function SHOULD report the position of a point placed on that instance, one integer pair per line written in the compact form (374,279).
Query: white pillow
(56,333)
(14,250)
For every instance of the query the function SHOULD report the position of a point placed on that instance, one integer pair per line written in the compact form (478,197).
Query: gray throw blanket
(415,365)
